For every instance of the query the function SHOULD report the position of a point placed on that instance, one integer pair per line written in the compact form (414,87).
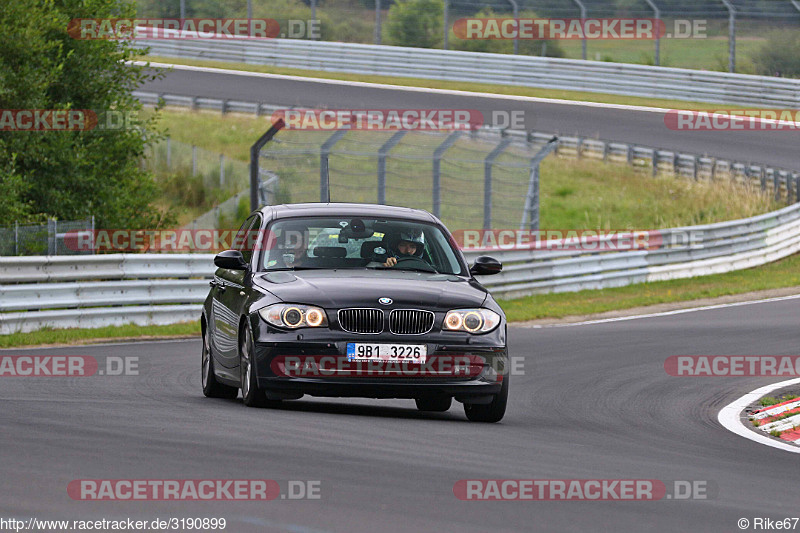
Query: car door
(228,301)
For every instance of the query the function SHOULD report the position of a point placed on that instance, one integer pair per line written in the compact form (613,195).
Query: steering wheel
(415,262)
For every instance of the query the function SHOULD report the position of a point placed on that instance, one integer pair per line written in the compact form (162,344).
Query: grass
(80,336)
(780,274)
(700,54)
(455,85)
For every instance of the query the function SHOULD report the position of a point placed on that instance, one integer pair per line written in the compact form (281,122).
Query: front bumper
(469,368)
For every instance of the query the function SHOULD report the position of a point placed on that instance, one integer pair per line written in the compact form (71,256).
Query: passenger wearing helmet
(409,243)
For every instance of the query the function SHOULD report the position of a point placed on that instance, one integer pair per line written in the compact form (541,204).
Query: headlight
(471,320)
(294,316)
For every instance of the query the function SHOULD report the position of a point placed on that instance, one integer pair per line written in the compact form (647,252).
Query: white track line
(451,92)
(729,416)
(663,313)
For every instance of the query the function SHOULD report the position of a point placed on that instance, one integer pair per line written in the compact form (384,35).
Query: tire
(492,412)
(211,387)
(434,404)
(252,395)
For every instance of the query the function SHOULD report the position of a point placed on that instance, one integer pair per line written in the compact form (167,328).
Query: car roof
(347,210)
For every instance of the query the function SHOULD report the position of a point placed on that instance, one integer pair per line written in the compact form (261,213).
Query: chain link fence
(55,237)
(467,179)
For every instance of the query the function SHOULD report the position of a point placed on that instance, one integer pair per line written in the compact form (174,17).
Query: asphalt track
(594,403)
(646,128)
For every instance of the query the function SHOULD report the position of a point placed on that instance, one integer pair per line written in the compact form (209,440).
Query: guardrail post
(675,168)
(487,181)
(789,191)
(382,152)
(605,151)
(695,164)
(763,179)
(437,167)
(654,162)
(324,175)
(224,107)
(776,185)
(630,154)
(797,188)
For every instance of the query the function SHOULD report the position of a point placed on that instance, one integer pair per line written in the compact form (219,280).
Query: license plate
(367,351)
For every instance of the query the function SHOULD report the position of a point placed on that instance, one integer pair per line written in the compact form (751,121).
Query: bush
(417,23)
(780,53)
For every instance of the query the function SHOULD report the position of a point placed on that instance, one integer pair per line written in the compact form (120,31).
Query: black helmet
(414,236)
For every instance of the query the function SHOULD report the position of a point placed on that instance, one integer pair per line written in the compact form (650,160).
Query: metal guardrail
(95,291)
(528,71)
(101,290)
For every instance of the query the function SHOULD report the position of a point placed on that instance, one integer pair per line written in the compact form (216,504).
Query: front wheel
(492,412)
(252,395)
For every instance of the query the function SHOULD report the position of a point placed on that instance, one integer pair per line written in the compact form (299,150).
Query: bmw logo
(385,301)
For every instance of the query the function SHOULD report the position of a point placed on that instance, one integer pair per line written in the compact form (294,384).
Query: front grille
(410,321)
(361,320)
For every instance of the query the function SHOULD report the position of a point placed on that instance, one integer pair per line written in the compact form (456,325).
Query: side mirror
(486,266)
(230,259)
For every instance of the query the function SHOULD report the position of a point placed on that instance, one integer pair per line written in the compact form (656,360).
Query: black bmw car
(353,300)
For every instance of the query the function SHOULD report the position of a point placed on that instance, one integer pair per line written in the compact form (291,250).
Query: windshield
(358,243)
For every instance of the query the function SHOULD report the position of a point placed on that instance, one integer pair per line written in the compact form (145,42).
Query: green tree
(72,174)
(417,23)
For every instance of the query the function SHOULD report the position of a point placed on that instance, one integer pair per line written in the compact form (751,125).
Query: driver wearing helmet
(409,243)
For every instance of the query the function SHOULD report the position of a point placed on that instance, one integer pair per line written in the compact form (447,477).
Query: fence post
(51,236)
(16,237)
(583,17)
(487,181)
(731,35)
(378,21)
(324,171)
(446,16)
(382,152)
(437,167)
(657,15)
(255,152)
(221,170)
(531,210)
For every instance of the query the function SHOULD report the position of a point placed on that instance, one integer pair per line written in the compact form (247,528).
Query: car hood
(336,289)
